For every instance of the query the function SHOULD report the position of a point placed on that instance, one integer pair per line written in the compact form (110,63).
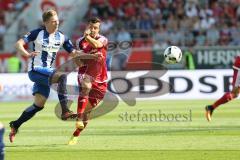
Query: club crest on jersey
(84,46)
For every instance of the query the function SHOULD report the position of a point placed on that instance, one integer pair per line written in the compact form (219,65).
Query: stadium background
(138,32)
(209,28)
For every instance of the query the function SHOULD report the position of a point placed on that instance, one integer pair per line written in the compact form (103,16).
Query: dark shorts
(41,77)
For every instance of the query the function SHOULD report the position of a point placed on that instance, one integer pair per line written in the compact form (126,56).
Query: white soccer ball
(173,54)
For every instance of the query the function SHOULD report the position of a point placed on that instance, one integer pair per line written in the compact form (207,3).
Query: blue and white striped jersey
(48,45)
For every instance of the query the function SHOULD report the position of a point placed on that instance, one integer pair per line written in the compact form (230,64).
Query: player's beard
(93,35)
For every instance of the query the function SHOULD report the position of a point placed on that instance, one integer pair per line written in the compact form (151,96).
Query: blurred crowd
(148,23)
(9,10)
(169,22)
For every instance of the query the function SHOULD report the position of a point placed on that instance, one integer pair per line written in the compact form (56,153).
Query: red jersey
(96,69)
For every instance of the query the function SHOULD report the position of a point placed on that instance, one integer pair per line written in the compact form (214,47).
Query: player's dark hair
(94,20)
(48,14)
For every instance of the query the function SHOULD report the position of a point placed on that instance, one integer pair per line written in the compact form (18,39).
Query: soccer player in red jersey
(92,74)
(229,95)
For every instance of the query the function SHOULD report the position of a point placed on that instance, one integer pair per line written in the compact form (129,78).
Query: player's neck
(50,31)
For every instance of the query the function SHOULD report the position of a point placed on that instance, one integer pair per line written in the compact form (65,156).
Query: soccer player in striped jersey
(47,41)
(92,75)
(229,95)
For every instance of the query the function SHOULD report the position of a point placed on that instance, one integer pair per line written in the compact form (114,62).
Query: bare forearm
(78,56)
(94,43)
(81,55)
(21,49)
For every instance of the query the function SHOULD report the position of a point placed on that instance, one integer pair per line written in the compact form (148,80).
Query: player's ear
(45,23)
(99,27)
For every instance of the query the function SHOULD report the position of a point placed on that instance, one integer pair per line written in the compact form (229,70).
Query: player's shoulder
(80,39)
(36,31)
(102,37)
(32,35)
(62,36)
(61,33)
(40,29)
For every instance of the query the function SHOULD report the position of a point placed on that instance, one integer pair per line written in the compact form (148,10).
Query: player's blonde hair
(48,14)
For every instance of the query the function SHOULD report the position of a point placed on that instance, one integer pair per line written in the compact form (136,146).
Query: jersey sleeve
(67,45)
(31,36)
(103,40)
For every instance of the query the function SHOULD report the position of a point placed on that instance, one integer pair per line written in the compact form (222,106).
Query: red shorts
(236,72)
(91,68)
(97,92)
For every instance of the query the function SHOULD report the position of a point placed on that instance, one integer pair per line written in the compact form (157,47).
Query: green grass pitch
(114,137)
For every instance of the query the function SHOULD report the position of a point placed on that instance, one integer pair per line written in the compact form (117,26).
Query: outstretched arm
(78,55)
(81,55)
